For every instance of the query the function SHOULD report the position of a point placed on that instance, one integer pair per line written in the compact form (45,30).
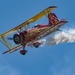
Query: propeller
(9,38)
(16,38)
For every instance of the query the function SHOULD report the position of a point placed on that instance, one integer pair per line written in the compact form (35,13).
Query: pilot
(36,25)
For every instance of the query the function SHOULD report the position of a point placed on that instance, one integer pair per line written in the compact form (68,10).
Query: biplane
(22,34)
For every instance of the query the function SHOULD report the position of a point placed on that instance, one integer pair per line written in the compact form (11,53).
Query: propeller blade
(10,38)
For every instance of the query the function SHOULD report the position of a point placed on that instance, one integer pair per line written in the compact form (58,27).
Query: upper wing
(33,19)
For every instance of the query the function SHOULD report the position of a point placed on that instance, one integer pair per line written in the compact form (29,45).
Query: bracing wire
(42,20)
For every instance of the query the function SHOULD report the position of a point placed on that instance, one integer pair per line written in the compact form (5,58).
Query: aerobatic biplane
(22,35)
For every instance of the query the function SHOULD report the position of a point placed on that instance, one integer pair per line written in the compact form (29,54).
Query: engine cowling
(18,38)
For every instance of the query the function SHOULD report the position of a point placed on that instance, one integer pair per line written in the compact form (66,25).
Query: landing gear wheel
(36,44)
(23,52)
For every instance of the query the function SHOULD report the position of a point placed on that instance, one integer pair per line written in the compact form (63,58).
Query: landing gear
(36,44)
(59,30)
(23,52)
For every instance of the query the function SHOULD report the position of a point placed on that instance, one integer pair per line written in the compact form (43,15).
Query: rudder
(53,20)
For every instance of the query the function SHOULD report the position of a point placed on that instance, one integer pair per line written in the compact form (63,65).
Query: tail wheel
(23,52)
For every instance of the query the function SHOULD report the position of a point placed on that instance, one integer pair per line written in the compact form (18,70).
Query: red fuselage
(36,33)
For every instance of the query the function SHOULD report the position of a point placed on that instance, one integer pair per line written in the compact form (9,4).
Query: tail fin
(52,19)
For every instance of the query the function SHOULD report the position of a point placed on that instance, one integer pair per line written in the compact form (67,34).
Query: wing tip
(4,52)
(53,7)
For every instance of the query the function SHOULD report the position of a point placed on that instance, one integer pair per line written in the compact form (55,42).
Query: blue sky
(48,60)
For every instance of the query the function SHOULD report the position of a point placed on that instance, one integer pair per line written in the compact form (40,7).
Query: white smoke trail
(62,37)
(66,36)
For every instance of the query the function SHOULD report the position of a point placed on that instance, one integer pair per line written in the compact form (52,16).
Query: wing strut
(6,42)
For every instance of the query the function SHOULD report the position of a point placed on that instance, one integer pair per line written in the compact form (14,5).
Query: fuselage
(30,35)
(36,33)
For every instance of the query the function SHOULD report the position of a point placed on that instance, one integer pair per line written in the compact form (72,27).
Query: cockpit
(36,25)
